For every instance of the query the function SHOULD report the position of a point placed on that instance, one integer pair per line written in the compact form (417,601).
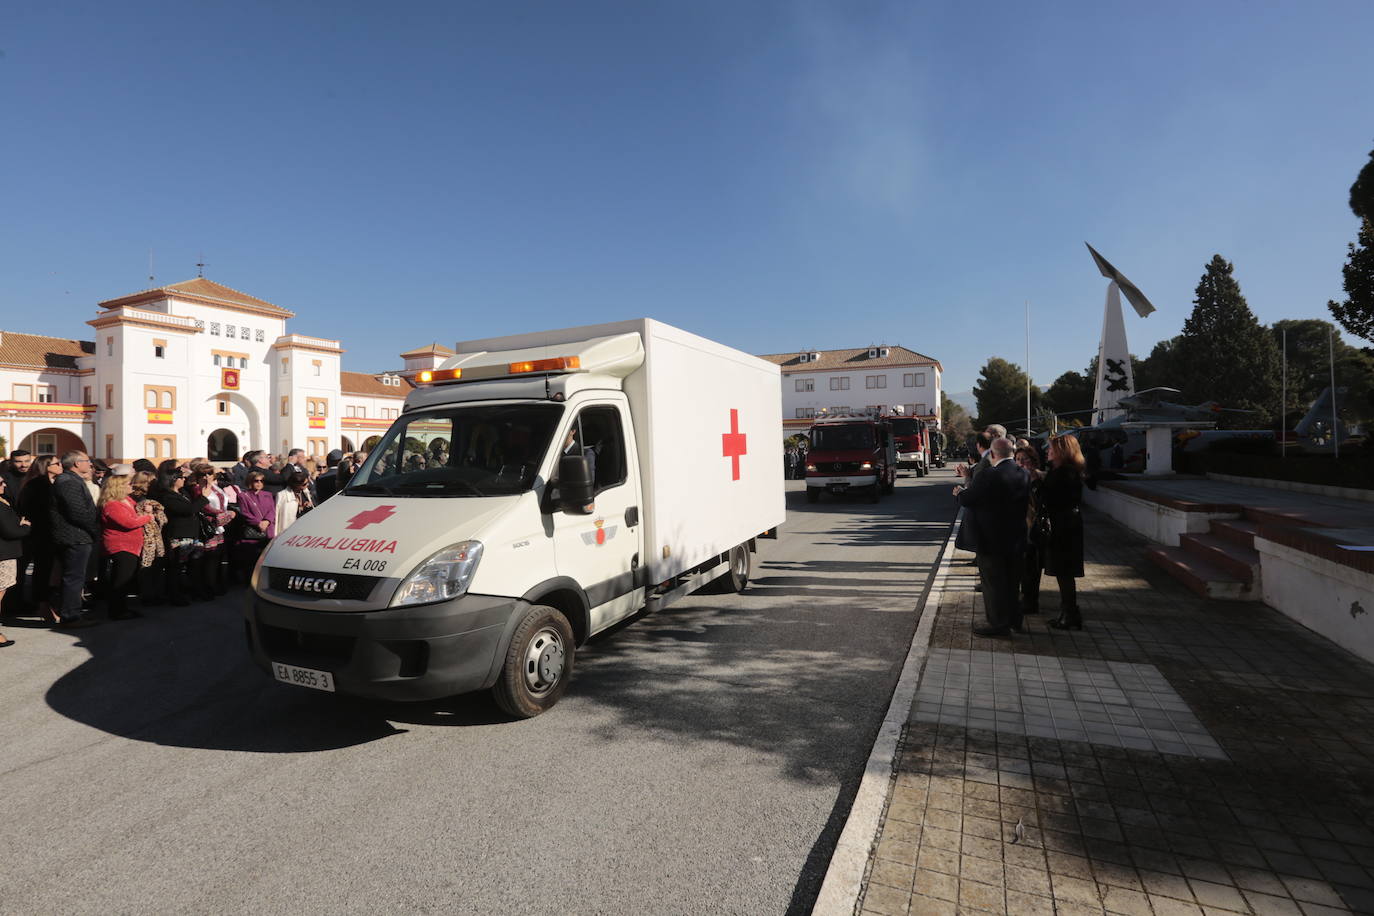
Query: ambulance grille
(841,467)
(307,585)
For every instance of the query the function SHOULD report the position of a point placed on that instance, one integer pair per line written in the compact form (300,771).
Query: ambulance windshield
(460,451)
(842,436)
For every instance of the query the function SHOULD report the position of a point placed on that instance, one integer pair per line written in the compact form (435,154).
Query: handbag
(1041,531)
(208,527)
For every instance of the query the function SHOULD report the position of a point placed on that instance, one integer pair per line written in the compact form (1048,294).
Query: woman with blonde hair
(121,534)
(1059,499)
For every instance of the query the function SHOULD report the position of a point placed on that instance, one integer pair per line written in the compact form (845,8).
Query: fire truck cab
(851,453)
(913,444)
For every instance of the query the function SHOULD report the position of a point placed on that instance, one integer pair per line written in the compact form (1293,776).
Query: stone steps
(1201,575)
(1241,561)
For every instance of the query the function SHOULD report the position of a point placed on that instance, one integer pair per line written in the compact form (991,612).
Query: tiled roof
(368,385)
(40,352)
(852,359)
(434,349)
(205,290)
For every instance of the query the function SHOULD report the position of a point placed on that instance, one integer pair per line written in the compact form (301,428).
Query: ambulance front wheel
(538,665)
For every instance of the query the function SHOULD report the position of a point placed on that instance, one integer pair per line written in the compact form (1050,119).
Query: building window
(806,384)
(109,397)
(315,365)
(805,413)
(285,406)
(284,364)
(310,407)
(362,412)
(316,446)
(109,346)
(159,348)
(316,407)
(86,395)
(47,395)
(222,406)
(200,325)
(243,333)
(875,381)
(150,447)
(219,359)
(169,447)
(23,392)
(228,330)
(842,409)
(913,379)
(214,329)
(350,411)
(257,335)
(920,409)
(158,397)
(109,445)
(839,383)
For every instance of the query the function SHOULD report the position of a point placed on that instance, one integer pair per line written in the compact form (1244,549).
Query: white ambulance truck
(535,490)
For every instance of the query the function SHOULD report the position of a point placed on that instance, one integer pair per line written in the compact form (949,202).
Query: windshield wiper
(369,488)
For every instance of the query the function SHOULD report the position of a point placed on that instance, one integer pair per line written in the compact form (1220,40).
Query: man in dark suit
(996,499)
(75,532)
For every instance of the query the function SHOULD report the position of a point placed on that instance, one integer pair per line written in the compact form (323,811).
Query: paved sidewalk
(1177,756)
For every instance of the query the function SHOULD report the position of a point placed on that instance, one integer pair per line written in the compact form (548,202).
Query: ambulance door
(601,550)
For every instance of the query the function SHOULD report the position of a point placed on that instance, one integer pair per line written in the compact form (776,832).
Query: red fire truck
(851,453)
(913,444)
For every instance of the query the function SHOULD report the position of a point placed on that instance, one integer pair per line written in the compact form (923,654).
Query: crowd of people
(76,532)
(1023,520)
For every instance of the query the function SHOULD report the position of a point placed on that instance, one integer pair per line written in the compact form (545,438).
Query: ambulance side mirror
(575,485)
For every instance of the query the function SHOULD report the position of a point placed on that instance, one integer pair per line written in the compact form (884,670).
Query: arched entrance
(347,445)
(222,445)
(232,413)
(54,440)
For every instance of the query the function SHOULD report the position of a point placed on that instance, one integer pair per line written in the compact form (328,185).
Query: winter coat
(11,533)
(123,527)
(182,520)
(1059,497)
(257,506)
(75,520)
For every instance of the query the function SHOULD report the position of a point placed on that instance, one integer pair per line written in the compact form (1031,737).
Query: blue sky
(771,175)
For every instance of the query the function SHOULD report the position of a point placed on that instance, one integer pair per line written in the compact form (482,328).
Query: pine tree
(1001,394)
(1356,313)
(1225,354)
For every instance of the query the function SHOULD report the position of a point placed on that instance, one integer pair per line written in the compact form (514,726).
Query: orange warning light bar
(427,376)
(557,364)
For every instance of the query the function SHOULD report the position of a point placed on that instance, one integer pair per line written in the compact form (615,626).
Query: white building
(192,369)
(842,381)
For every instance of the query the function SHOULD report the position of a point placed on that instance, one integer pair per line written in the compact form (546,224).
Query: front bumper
(910,460)
(836,481)
(415,653)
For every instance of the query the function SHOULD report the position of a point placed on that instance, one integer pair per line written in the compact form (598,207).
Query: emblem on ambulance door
(601,535)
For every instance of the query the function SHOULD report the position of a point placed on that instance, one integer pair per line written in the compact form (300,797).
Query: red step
(1236,530)
(1205,578)
(1241,562)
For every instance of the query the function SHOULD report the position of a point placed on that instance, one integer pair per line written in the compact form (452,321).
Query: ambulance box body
(536,489)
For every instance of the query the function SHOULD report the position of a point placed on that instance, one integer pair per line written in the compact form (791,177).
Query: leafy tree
(1356,313)
(1001,393)
(1310,349)
(955,421)
(1161,369)
(1072,391)
(1362,191)
(1224,353)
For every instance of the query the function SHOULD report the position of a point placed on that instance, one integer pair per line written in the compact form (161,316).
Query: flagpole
(1335,420)
(1283,402)
(1028,377)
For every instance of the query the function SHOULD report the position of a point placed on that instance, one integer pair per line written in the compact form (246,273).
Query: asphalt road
(703,761)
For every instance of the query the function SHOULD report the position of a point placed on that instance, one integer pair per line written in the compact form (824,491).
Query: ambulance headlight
(811,467)
(443,577)
(866,466)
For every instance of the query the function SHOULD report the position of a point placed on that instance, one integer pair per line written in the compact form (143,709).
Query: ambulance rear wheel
(538,664)
(736,576)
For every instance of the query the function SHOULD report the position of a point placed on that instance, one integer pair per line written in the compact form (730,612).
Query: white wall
(859,395)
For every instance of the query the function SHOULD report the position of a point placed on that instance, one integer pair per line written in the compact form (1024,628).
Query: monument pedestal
(1159,443)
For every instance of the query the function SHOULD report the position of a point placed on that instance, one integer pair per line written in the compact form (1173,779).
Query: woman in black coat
(13,530)
(1059,498)
(35,504)
(180,534)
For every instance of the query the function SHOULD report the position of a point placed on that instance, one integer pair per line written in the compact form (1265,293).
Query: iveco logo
(308,584)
